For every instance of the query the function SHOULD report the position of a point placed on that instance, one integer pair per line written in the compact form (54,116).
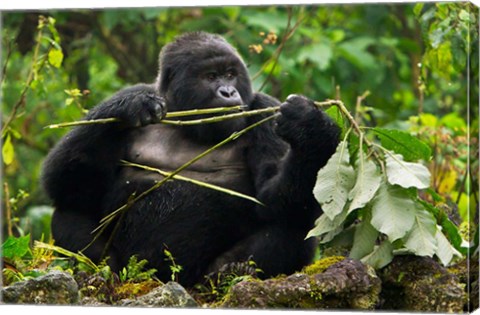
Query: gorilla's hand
(142,108)
(135,106)
(301,123)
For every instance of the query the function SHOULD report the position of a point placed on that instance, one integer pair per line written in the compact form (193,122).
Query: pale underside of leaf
(381,255)
(326,228)
(364,238)
(445,251)
(406,174)
(392,211)
(334,182)
(421,239)
(366,185)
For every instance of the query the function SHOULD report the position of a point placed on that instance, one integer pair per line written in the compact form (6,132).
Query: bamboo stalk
(79,256)
(184,113)
(215,119)
(193,181)
(193,112)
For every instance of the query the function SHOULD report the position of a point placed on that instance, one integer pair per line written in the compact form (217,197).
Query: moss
(135,289)
(322,264)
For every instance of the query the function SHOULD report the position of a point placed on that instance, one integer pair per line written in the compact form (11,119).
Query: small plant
(174,268)
(135,271)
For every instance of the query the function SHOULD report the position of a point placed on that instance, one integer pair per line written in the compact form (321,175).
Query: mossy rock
(347,284)
(421,284)
(322,264)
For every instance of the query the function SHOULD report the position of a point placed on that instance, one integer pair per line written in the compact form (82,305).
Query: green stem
(168,115)
(195,112)
(220,118)
(193,181)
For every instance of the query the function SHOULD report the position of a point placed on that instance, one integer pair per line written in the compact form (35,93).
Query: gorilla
(203,229)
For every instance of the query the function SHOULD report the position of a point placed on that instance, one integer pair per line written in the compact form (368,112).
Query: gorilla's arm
(78,171)
(284,179)
(313,138)
(285,175)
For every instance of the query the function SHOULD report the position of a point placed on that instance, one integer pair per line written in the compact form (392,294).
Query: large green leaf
(367,183)
(421,239)
(364,238)
(334,182)
(327,228)
(445,251)
(393,212)
(449,229)
(403,143)
(381,256)
(406,174)
(16,247)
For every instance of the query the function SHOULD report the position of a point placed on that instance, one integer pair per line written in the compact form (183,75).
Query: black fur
(276,162)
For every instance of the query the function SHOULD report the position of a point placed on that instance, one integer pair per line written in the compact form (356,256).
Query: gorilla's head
(201,70)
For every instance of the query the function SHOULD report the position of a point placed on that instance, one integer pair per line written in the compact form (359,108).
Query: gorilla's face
(203,71)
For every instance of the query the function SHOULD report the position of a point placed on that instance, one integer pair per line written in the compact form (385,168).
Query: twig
(288,33)
(354,124)
(358,105)
(79,256)
(8,209)
(6,58)
(186,113)
(193,181)
(192,112)
(220,118)
(83,123)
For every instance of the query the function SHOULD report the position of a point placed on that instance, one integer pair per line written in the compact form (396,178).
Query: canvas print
(301,157)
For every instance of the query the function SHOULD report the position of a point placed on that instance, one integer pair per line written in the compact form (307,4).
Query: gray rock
(56,287)
(171,294)
(348,284)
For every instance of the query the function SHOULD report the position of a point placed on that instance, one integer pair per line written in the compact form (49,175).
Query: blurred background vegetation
(418,64)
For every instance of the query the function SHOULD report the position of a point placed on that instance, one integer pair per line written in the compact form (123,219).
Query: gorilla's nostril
(227,92)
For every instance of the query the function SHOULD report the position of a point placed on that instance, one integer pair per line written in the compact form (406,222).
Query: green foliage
(381,190)
(16,247)
(174,267)
(406,174)
(135,271)
(404,143)
(335,182)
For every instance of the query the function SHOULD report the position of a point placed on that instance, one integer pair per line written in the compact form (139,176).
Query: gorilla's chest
(166,148)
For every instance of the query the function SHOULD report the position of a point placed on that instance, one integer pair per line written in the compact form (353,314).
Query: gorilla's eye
(230,75)
(211,76)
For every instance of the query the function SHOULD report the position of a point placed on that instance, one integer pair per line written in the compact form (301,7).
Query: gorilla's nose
(230,94)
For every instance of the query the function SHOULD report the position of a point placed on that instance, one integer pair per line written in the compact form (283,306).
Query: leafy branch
(385,212)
